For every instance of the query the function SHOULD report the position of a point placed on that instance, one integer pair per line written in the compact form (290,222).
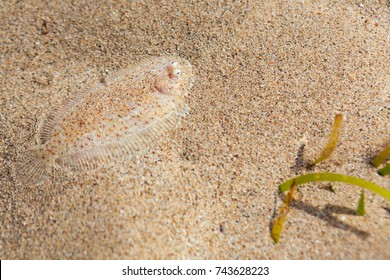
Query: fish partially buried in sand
(117,117)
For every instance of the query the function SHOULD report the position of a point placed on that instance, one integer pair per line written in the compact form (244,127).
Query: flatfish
(118,116)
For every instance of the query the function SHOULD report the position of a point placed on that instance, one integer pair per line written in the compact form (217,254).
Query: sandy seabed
(269,78)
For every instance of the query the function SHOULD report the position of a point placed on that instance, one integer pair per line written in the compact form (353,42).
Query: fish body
(123,114)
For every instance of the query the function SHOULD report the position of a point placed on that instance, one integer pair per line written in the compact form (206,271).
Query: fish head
(174,77)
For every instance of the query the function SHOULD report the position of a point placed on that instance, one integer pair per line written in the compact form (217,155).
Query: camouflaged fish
(117,117)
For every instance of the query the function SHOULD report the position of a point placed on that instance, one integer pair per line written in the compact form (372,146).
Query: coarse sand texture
(222,101)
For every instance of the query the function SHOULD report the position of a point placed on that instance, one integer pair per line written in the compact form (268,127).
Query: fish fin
(32,167)
(59,113)
(126,147)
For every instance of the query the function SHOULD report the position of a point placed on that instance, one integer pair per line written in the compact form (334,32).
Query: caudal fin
(32,168)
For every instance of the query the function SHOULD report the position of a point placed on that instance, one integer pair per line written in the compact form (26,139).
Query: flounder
(117,117)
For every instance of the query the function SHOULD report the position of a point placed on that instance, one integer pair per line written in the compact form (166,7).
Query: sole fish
(123,114)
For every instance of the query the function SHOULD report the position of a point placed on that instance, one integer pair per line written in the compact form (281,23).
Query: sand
(269,78)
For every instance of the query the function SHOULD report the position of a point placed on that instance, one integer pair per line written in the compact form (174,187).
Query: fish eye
(173,70)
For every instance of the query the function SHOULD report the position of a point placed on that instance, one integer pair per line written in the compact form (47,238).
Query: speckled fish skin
(125,113)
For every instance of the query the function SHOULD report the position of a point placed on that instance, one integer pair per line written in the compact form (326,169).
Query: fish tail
(32,167)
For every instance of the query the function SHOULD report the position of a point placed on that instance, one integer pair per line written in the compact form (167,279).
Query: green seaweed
(385,170)
(332,142)
(293,183)
(381,157)
(280,219)
(361,208)
(333,177)
(331,187)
